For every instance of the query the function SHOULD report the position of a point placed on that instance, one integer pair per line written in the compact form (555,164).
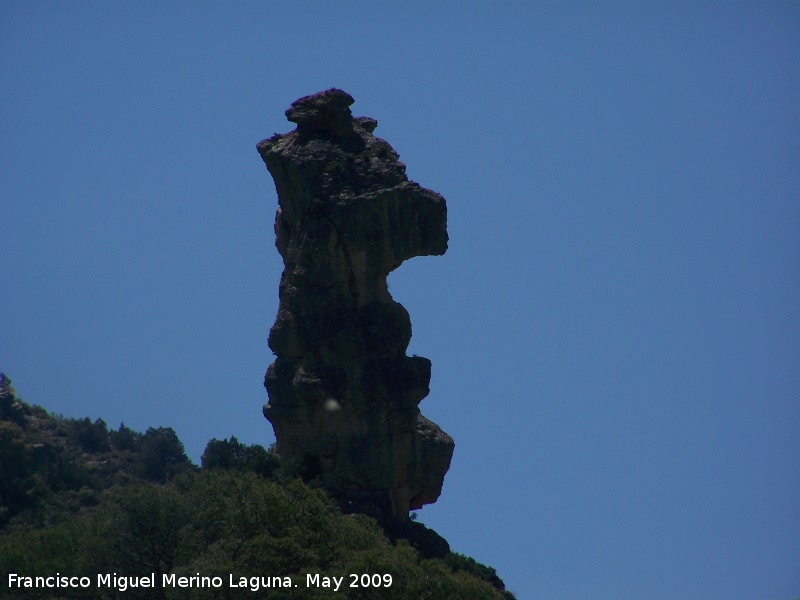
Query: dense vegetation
(77,498)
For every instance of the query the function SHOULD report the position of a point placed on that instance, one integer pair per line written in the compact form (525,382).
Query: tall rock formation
(343,395)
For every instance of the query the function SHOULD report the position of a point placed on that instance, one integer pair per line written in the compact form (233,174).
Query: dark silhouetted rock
(343,395)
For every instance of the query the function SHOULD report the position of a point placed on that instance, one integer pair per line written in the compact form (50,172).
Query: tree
(137,532)
(125,439)
(162,455)
(232,454)
(92,437)
(15,475)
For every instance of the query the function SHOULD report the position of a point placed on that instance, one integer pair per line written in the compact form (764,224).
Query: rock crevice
(343,395)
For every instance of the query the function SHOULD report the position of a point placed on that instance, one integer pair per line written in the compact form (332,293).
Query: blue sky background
(614,330)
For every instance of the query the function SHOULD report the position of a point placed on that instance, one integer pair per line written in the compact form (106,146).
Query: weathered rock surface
(343,395)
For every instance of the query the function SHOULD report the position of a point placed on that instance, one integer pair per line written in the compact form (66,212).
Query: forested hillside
(101,510)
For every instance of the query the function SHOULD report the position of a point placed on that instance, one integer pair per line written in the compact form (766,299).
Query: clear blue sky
(615,331)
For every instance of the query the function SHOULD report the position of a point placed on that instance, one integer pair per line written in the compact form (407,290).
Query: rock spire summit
(343,395)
